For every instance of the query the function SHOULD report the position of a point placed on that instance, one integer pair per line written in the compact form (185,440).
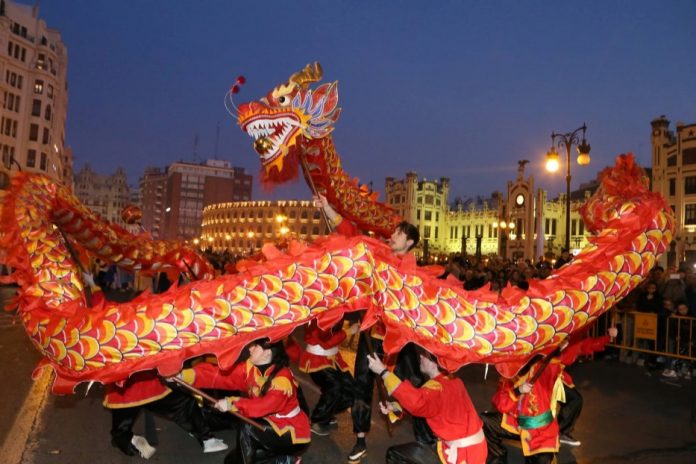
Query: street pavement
(630,415)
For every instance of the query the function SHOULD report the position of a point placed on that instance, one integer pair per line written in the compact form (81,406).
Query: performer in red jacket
(146,390)
(446,406)
(404,238)
(527,405)
(323,361)
(270,394)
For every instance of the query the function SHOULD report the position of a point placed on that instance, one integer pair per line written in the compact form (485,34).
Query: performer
(404,238)
(526,405)
(271,395)
(322,360)
(146,390)
(526,410)
(446,406)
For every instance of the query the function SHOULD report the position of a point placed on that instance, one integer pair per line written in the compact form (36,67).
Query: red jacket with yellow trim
(279,400)
(326,340)
(141,388)
(446,406)
(545,392)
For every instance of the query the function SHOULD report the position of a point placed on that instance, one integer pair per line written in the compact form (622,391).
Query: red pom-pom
(235,89)
(241,80)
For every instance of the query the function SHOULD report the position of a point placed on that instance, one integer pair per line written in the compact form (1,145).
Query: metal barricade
(640,332)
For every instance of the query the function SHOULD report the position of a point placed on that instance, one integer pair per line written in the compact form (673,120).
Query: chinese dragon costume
(292,125)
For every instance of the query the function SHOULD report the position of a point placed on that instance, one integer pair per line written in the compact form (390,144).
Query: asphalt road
(630,415)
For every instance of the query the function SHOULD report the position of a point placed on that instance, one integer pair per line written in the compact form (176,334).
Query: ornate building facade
(33,96)
(106,195)
(522,223)
(242,227)
(674,176)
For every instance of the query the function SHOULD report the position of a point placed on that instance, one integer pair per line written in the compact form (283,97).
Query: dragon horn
(311,73)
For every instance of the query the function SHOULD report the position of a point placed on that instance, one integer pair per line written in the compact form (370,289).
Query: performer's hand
(374,363)
(613,332)
(320,201)
(525,388)
(174,378)
(88,279)
(222,405)
(354,328)
(386,407)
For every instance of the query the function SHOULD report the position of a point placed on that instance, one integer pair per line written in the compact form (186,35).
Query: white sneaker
(213,445)
(669,373)
(144,448)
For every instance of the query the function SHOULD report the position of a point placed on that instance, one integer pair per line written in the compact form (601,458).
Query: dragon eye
(284,100)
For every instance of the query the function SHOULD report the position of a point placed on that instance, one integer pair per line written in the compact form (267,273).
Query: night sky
(461,89)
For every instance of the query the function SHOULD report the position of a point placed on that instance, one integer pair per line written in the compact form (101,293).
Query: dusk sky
(462,89)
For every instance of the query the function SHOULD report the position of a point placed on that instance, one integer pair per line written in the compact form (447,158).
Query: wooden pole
(212,400)
(76,258)
(313,188)
(383,396)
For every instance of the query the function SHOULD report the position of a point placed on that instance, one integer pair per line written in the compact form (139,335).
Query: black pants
(412,453)
(570,410)
(407,368)
(337,393)
(255,446)
(495,434)
(178,407)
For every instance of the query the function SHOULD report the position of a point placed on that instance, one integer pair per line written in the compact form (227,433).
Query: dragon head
(286,118)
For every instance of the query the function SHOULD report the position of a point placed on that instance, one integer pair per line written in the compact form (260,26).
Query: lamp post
(566,141)
(503,226)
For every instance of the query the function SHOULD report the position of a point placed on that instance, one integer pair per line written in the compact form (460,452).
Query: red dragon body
(110,341)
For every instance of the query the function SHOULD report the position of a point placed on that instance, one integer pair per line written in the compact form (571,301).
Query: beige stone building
(106,195)
(242,227)
(34,97)
(674,176)
(522,223)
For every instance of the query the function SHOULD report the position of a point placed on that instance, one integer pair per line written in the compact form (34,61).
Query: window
(573,227)
(38,86)
(44,160)
(34,132)
(426,232)
(31,158)
(690,214)
(418,214)
(436,228)
(672,160)
(45,140)
(41,61)
(672,187)
(49,92)
(428,215)
(689,156)
(690,185)
(36,107)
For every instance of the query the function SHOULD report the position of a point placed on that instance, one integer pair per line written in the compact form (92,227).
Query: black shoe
(568,439)
(321,429)
(358,452)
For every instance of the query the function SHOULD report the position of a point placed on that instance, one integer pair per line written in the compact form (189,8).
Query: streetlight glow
(566,141)
(552,163)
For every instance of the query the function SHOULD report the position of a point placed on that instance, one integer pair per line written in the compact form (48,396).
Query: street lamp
(567,140)
(504,226)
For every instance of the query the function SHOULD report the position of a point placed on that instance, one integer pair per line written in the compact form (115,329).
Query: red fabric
(326,339)
(248,378)
(140,388)
(538,401)
(447,408)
